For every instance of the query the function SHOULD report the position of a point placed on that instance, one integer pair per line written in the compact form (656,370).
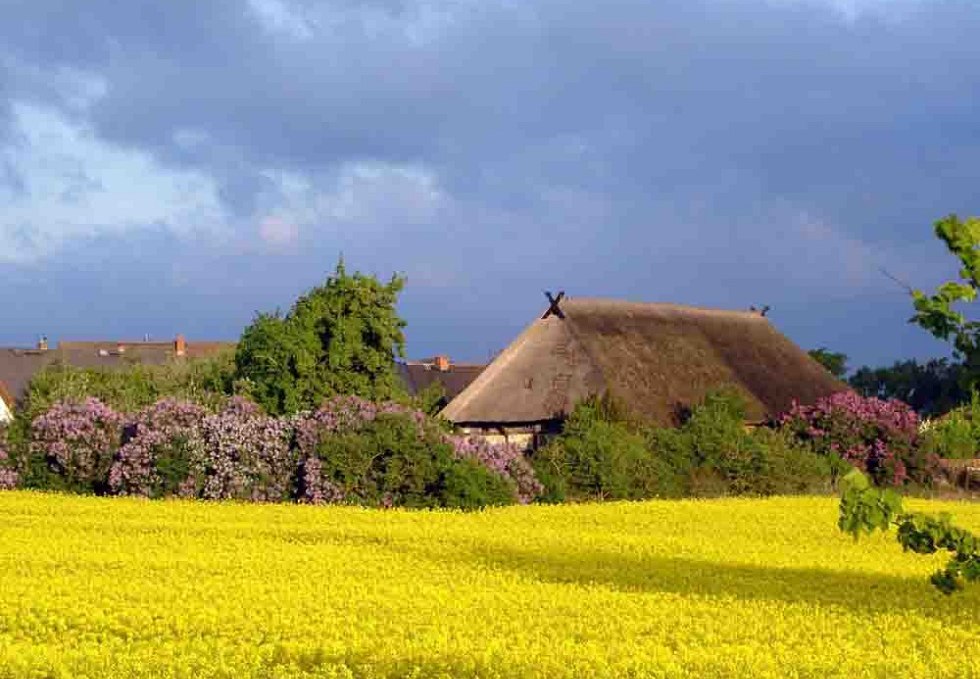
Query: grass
(721,588)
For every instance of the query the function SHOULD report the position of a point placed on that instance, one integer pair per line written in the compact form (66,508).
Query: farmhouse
(18,366)
(658,358)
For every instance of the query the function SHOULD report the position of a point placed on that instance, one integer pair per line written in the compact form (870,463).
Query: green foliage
(339,338)
(205,381)
(727,457)
(866,509)
(467,484)
(834,362)
(931,388)
(392,460)
(935,312)
(598,456)
(955,435)
(430,400)
(601,453)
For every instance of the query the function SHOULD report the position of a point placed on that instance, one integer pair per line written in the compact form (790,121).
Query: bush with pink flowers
(504,459)
(387,454)
(159,447)
(78,442)
(247,456)
(879,437)
(8,475)
(349,450)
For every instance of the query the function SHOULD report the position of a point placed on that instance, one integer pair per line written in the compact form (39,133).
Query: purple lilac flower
(505,459)
(8,476)
(78,440)
(167,428)
(880,437)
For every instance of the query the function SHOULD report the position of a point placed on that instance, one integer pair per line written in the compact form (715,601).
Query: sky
(177,167)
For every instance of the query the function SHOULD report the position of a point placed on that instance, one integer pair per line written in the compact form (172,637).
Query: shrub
(726,457)
(383,454)
(8,475)
(951,437)
(78,442)
(177,448)
(790,466)
(248,456)
(601,453)
(879,437)
(596,457)
(467,484)
(392,460)
(159,449)
(507,460)
(205,381)
(955,435)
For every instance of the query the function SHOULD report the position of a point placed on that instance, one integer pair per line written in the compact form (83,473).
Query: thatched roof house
(658,358)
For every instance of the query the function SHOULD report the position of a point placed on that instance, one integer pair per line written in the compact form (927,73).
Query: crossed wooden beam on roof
(553,307)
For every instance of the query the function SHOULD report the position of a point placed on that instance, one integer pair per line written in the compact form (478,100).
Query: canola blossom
(127,587)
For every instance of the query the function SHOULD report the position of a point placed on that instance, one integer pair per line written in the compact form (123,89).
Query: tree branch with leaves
(934,312)
(866,509)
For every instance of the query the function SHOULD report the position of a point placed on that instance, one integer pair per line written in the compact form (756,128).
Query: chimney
(42,343)
(180,346)
(442,363)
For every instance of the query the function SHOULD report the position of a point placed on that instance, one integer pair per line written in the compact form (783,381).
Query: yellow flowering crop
(94,587)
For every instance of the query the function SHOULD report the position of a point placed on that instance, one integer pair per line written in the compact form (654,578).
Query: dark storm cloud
(720,152)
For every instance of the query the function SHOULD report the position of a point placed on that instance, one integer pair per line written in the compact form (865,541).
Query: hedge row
(603,453)
(350,450)
(356,451)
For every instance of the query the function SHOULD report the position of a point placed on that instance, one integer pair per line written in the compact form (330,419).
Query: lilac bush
(313,488)
(877,436)
(178,448)
(78,442)
(248,455)
(505,459)
(160,445)
(337,415)
(347,414)
(342,414)
(373,452)
(8,475)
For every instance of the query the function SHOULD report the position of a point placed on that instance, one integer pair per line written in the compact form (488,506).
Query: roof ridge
(665,306)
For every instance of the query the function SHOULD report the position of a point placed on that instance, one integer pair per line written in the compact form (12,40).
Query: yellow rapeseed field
(95,587)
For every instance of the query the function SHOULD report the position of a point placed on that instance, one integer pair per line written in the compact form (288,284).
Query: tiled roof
(418,375)
(18,366)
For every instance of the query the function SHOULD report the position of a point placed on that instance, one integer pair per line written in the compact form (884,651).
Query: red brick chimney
(441,363)
(180,346)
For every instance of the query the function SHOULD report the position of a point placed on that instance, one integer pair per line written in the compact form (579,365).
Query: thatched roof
(658,358)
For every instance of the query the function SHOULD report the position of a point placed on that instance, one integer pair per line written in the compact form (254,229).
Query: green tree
(935,311)
(834,362)
(931,388)
(339,338)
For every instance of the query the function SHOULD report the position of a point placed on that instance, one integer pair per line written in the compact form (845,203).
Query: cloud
(65,183)
(278,233)
(714,152)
